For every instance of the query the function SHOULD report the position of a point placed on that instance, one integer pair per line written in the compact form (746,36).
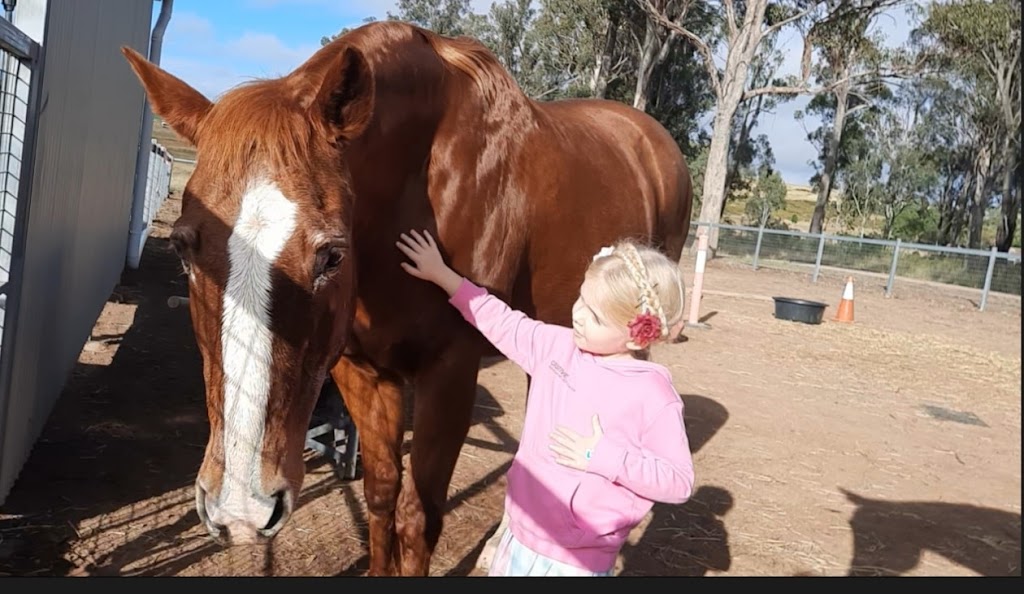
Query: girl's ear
(633,346)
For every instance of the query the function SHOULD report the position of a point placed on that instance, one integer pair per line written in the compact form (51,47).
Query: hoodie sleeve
(661,470)
(523,340)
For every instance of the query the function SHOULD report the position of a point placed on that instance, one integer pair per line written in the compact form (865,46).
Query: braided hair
(641,289)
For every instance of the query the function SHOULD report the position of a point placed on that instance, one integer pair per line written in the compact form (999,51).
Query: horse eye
(328,258)
(184,241)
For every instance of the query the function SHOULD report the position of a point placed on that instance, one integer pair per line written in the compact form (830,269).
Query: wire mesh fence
(985,270)
(158,180)
(15,78)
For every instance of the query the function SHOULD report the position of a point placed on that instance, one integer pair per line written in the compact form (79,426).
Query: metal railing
(158,187)
(986,270)
(21,66)
(19,82)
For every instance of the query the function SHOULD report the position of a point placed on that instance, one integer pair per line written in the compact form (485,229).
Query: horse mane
(271,118)
(474,59)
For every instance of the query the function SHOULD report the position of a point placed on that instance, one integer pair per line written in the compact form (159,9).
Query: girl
(603,437)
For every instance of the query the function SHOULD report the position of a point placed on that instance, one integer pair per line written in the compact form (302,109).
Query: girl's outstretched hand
(427,263)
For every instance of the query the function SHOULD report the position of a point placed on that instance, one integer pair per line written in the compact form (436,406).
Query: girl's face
(592,330)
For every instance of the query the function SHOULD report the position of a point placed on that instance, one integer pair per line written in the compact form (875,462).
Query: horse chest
(402,340)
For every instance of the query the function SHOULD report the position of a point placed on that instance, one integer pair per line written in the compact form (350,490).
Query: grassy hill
(171,141)
(800,201)
(799,208)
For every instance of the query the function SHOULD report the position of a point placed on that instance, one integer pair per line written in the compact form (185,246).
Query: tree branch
(730,18)
(809,90)
(557,87)
(855,109)
(796,17)
(697,42)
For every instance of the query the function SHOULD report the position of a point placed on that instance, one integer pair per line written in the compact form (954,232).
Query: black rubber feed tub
(799,310)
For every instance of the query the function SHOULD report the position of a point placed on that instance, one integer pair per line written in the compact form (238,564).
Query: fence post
(817,261)
(698,279)
(757,248)
(892,268)
(988,278)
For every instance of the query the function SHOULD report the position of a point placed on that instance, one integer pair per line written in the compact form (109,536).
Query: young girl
(603,437)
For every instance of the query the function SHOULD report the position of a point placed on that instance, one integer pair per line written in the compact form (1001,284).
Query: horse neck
(433,121)
(409,104)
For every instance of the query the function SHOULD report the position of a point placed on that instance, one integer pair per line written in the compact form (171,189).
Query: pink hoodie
(583,518)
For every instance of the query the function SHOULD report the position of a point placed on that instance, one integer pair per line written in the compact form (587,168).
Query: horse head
(264,238)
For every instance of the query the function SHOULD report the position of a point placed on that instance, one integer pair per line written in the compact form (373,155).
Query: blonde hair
(633,279)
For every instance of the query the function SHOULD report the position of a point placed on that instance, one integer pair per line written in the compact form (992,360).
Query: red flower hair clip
(645,329)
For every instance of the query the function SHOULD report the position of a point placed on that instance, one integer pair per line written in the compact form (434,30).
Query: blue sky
(214,45)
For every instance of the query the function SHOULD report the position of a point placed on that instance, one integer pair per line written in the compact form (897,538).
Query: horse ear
(345,98)
(181,106)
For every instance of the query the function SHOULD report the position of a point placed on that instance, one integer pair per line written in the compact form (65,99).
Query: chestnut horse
(287,235)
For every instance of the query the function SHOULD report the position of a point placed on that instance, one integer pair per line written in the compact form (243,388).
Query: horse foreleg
(445,392)
(375,404)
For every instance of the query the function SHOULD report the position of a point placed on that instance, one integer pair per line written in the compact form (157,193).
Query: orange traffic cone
(845,311)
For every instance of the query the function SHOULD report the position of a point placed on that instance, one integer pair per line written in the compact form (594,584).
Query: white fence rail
(158,187)
(988,271)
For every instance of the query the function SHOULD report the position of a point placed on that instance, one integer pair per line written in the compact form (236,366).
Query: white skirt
(512,558)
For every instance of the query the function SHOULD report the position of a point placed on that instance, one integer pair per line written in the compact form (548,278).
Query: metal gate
(20,70)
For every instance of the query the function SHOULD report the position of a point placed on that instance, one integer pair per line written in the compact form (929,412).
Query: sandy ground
(889,446)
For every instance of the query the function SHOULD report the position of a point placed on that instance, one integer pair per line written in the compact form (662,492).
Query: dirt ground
(891,446)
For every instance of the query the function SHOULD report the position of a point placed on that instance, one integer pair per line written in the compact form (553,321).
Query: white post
(698,278)
(988,278)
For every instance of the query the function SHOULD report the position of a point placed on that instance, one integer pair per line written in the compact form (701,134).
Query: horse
(287,233)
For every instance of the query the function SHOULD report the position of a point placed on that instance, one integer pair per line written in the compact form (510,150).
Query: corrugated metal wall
(91,110)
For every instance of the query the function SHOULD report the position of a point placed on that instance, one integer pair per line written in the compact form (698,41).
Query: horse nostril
(204,507)
(280,509)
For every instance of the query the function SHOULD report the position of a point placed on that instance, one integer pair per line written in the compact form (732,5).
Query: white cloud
(208,78)
(269,51)
(193,52)
(188,26)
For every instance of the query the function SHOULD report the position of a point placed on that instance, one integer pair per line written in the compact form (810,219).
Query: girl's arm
(521,339)
(662,470)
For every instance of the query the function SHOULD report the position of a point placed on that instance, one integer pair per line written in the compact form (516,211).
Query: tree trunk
(831,156)
(599,81)
(653,53)
(947,212)
(981,171)
(742,49)
(960,213)
(717,166)
(648,51)
(750,116)
(1010,208)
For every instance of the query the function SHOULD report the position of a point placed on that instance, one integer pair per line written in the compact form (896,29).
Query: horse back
(597,171)
(521,209)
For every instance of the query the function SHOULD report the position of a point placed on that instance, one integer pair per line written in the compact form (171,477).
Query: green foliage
(972,27)
(907,163)
(447,17)
(767,195)
(697,166)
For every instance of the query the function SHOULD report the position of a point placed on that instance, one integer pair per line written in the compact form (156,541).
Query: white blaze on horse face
(265,222)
